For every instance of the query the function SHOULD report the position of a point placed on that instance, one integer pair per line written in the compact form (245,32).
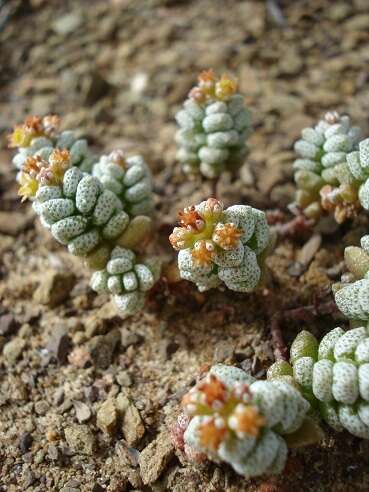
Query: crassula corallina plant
(127,278)
(241,421)
(218,245)
(79,212)
(322,151)
(355,173)
(214,125)
(129,178)
(334,376)
(39,136)
(352,293)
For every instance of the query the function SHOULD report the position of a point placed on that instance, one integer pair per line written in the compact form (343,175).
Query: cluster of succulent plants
(101,209)
(323,151)
(90,209)
(352,293)
(214,125)
(333,376)
(242,421)
(218,245)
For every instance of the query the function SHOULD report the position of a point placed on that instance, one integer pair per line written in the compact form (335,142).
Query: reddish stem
(279,347)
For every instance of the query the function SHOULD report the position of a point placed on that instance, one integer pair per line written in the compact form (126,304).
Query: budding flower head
(211,87)
(59,162)
(209,392)
(213,209)
(51,124)
(227,236)
(180,238)
(212,433)
(28,186)
(117,156)
(190,218)
(332,117)
(225,87)
(22,135)
(203,252)
(246,420)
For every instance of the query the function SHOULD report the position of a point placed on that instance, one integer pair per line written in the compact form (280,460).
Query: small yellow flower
(225,87)
(59,163)
(23,135)
(28,186)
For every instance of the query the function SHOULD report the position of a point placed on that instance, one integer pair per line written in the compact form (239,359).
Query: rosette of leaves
(40,136)
(355,172)
(129,178)
(322,152)
(75,206)
(334,376)
(217,245)
(214,125)
(127,279)
(241,421)
(352,294)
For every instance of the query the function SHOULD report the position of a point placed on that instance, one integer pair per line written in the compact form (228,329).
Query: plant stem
(280,349)
(214,187)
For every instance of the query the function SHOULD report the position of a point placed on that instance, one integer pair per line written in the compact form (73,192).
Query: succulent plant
(214,125)
(241,421)
(76,208)
(129,178)
(322,154)
(39,136)
(334,376)
(355,172)
(217,245)
(352,294)
(127,279)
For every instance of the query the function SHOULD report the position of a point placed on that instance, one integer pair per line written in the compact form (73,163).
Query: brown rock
(54,288)
(101,348)
(8,324)
(132,426)
(80,439)
(59,344)
(107,415)
(155,458)
(13,349)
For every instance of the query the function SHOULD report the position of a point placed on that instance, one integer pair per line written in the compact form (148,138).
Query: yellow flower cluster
(38,172)
(211,87)
(204,232)
(33,127)
(225,412)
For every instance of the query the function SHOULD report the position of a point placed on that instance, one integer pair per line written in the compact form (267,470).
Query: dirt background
(117,72)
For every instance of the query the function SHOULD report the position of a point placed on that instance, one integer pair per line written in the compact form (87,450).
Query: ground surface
(117,71)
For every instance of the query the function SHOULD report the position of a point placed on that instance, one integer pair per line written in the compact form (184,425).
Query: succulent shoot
(214,125)
(129,178)
(334,376)
(322,152)
(98,217)
(126,279)
(37,137)
(241,421)
(221,245)
(352,295)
